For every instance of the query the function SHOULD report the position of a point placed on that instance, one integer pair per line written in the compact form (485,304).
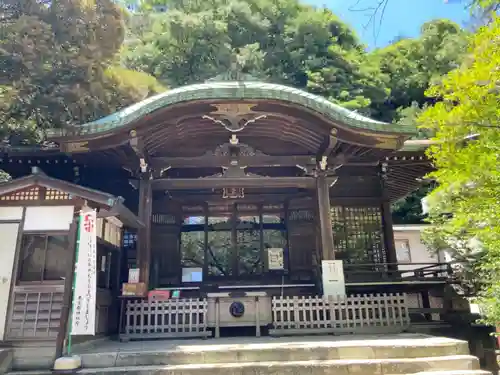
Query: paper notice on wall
(275,259)
(133,275)
(84,293)
(333,278)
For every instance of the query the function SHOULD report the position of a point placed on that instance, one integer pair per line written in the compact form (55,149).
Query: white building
(410,249)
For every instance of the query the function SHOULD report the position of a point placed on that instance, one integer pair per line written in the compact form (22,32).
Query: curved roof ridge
(234,90)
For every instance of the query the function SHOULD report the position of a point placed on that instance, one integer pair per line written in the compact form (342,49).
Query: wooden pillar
(144,234)
(286,208)
(325,223)
(234,241)
(262,254)
(205,242)
(387,223)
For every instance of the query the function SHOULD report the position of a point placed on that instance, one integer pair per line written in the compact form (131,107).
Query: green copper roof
(234,90)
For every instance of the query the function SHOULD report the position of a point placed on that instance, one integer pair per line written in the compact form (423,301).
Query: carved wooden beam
(249,198)
(225,161)
(245,182)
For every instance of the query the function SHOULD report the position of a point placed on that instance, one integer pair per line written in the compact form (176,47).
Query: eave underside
(360,178)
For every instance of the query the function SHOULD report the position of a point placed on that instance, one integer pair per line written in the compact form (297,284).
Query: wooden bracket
(137,145)
(326,149)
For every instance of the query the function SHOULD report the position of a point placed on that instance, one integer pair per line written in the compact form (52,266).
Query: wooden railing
(368,313)
(145,319)
(383,272)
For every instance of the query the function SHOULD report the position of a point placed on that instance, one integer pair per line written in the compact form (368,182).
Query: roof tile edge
(231,90)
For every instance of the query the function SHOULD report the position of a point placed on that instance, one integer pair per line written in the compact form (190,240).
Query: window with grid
(358,236)
(44,257)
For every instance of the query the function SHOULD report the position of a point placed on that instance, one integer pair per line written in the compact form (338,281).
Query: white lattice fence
(356,313)
(185,317)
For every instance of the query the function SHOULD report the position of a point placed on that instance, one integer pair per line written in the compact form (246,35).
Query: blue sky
(401,17)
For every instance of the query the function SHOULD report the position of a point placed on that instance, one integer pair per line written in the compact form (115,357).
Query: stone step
(147,354)
(455,372)
(387,366)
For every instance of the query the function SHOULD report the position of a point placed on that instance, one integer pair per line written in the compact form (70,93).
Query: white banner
(84,284)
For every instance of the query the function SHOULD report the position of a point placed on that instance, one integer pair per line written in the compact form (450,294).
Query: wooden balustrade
(368,313)
(183,317)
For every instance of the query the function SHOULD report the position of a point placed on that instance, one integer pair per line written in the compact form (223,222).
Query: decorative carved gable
(35,193)
(55,195)
(27,194)
(245,150)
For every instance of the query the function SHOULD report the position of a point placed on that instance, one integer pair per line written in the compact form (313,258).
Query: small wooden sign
(134,290)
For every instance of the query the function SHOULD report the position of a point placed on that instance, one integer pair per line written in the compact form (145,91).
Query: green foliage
(4,177)
(482,12)
(488,5)
(282,39)
(135,84)
(408,210)
(287,42)
(55,57)
(413,64)
(465,208)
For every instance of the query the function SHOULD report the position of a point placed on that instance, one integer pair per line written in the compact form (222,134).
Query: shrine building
(237,191)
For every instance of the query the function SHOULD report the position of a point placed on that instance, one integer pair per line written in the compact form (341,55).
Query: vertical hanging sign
(333,278)
(84,284)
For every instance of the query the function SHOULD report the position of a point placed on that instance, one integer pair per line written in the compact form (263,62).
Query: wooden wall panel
(302,242)
(35,313)
(165,250)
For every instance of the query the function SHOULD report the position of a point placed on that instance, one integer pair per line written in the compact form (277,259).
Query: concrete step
(5,360)
(387,366)
(147,354)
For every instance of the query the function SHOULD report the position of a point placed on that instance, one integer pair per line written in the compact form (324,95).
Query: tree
(408,210)
(481,13)
(374,10)
(465,208)
(281,41)
(56,60)
(413,64)
(286,42)
(345,75)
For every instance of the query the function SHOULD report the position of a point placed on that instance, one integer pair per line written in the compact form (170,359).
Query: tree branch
(377,10)
(216,262)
